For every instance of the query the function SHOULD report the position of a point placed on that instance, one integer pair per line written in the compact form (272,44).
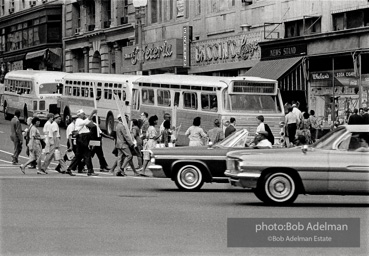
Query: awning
(51,55)
(273,69)
(36,54)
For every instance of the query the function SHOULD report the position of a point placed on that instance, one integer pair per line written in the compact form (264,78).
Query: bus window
(76,91)
(124,95)
(98,92)
(176,99)
(209,102)
(68,90)
(84,92)
(148,96)
(118,93)
(51,88)
(108,94)
(190,100)
(135,99)
(34,105)
(164,97)
(91,92)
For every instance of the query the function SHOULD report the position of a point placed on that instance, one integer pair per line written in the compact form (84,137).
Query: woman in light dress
(195,133)
(152,137)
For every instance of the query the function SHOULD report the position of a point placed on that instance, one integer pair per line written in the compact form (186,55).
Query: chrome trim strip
(194,157)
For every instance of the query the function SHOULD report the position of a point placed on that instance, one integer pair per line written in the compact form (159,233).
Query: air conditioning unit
(124,20)
(11,10)
(77,30)
(91,27)
(247,1)
(106,24)
(32,3)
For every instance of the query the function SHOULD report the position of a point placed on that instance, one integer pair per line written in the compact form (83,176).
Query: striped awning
(273,69)
(289,72)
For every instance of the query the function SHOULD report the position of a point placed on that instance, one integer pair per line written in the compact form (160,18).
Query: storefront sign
(151,52)
(187,37)
(326,75)
(155,55)
(224,50)
(283,52)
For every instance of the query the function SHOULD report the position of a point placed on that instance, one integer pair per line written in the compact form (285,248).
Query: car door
(349,169)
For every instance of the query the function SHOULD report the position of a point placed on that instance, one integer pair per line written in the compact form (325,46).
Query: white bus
(33,92)
(78,93)
(209,97)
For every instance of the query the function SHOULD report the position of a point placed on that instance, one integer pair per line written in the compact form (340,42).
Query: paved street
(56,214)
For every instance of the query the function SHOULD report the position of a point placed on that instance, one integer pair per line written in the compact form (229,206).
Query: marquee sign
(229,49)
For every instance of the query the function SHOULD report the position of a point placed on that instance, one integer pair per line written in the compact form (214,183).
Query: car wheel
(189,177)
(110,125)
(25,114)
(277,188)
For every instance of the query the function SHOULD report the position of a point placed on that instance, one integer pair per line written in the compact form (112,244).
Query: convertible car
(337,164)
(190,167)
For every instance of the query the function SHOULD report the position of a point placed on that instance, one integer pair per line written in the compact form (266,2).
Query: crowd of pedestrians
(84,139)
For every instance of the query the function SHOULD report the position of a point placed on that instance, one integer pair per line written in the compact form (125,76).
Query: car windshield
(237,139)
(51,88)
(326,142)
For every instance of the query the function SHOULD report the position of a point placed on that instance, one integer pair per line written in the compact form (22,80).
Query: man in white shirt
(166,117)
(47,131)
(83,139)
(54,142)
(261,126)
(297,111)
(71,143)
(262,141)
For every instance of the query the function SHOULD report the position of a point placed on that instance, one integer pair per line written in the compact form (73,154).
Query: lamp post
(140,6)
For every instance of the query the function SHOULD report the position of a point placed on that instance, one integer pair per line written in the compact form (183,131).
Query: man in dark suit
(231,127)
(124,144)
(355,118)
(366,116)
(16,136)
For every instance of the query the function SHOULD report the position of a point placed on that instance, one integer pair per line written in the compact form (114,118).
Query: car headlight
(152,160)
(234,164)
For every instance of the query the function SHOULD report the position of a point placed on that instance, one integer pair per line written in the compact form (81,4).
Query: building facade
(315,49)
(30,35)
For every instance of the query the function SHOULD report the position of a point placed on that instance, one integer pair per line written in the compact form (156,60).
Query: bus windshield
(51,88)
(253,103)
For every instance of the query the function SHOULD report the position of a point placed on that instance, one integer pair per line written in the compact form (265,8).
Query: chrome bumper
(243,179)
(157,171)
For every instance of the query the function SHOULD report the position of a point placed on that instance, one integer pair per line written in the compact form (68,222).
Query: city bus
(33,92)
(78,94)
(209,97)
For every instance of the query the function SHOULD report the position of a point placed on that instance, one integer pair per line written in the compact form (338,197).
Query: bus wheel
(25,114)
(5,110)
(67,119)
(189,177)
(110,125)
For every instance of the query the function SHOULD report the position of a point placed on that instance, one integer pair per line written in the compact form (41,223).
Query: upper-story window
(217,6)
(154,11)
(352,19)
(305,26)
(197,7)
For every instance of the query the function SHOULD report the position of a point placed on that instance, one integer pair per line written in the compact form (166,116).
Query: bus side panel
(185,119)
